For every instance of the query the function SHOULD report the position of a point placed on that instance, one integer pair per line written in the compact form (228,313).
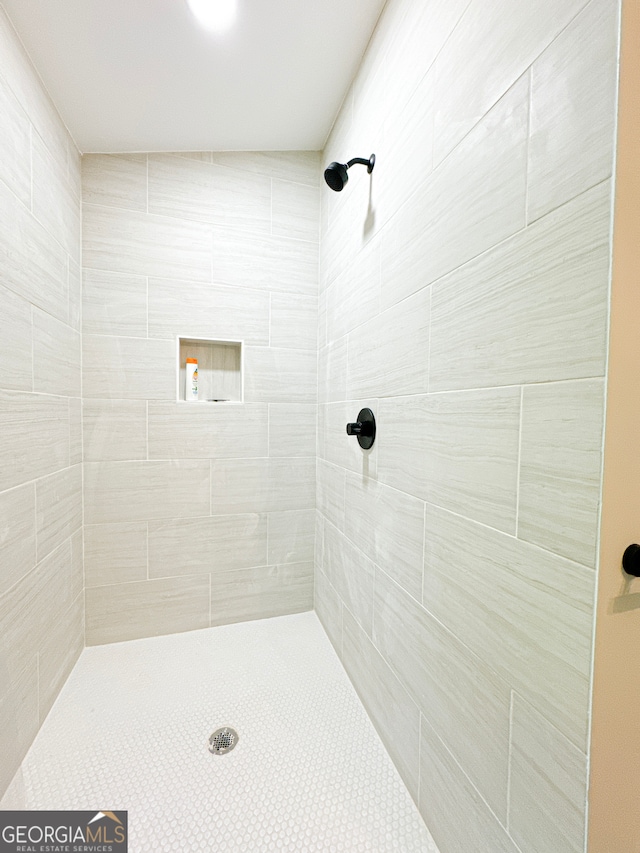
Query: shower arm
(361,160)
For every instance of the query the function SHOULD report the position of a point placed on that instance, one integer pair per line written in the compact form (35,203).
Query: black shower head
(336,174)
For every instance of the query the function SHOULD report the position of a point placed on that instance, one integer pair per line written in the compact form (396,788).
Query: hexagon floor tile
(130,730)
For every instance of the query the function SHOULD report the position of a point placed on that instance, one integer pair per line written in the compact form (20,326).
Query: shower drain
(223,740)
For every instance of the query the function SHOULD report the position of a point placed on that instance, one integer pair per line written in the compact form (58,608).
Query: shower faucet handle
(355,429)
(631,560)
(364,428)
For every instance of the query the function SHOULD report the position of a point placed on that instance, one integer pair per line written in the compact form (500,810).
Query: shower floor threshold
(130,730)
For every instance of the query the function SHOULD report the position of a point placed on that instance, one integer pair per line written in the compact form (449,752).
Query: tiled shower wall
(41,601)
(198,514)
(464,297)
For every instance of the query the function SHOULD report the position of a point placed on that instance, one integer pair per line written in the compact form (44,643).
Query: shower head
(336,173)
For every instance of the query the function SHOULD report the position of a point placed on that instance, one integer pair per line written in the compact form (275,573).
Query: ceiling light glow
(215,15)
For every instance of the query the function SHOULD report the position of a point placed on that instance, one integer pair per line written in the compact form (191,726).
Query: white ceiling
(141,75)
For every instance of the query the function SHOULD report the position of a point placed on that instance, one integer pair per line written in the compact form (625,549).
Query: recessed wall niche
(220,373)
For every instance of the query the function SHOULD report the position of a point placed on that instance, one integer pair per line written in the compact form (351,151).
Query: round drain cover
(223,740)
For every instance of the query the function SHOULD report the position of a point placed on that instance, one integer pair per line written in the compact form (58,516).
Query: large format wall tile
(464,700)
(295,210)
(56,356)
(503,318)
(351,574)
(292,429)
(115,553)
(395,716)
(114,430)
(266,263)
(503,38)
(58,508)
(291,536)
(34,436)
(261,593)
(142,491)
(41,603)
(464,451)
(542,760)
(146,609)
(389,356)
(560,467)
(145,244)
(190,546)
(53,201)
(388,526)
(526,612)
(17,345)
(114,304)
(194,309)
(455,812)
(115,180)
(472,201)
(262,485)
(128,368)
(279,375)
(34,264)
(15,145)
(60,650)
(573,98)
(192,189)
(294,322)
(183,431)
(18,540)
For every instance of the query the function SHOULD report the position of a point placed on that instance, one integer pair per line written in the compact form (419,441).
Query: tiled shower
(461,292)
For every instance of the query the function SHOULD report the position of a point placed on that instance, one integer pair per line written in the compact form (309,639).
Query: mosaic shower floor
(130,730)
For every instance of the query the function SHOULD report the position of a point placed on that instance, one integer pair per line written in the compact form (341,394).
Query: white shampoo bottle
(191,380)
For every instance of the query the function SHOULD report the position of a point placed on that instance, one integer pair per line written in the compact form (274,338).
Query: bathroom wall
(464,298)
(41,601)
(198,514)
(614,819)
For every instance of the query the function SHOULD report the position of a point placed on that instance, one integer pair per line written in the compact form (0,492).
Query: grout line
(519,461)
(509,760)
(528,145)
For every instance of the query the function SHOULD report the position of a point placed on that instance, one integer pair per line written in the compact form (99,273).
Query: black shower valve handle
(364,428)
(357,429)
(631,560)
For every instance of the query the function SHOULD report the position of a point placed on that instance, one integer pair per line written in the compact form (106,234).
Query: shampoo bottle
(191,383)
